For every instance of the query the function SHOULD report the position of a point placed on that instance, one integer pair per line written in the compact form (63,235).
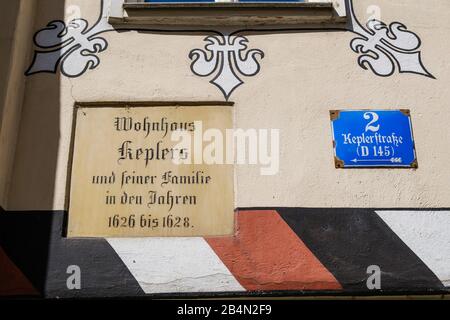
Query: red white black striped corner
(274,250)
(34,242)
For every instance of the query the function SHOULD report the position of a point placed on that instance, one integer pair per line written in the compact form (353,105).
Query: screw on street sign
(373,138)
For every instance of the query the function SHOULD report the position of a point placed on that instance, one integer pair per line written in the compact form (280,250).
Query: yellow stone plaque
(146,171)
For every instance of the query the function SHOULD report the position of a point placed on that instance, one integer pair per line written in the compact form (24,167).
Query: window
(228,12)
(221,1)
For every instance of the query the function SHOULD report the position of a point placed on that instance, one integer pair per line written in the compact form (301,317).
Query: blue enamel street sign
(373,138)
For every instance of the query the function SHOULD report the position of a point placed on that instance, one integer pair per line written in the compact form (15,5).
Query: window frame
(320,13)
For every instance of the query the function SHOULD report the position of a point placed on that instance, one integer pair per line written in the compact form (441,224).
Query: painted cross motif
(73,46)
(384,48)
(228,57)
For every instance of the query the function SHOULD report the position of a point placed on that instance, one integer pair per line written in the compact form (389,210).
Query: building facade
(305,227)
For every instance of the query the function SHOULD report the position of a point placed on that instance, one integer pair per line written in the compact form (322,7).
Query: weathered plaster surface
(304,74)
(426,234)
(16,29)
(189,263)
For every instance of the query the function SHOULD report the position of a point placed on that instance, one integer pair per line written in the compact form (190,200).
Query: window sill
(227,14)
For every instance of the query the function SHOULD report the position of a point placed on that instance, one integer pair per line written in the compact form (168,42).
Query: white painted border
(175,265)
(426,233)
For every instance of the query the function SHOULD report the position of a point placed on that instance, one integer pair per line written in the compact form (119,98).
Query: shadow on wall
(24,234)
(33,183)
(7,24)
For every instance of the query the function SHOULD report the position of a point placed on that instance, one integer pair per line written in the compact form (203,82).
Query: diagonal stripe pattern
(12,280)
(267,255)
(273,249)
(348,241)
(427,234)
(175,265)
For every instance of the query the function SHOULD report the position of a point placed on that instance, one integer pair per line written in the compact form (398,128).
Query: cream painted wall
(16,25)
(303,76)
(9,12)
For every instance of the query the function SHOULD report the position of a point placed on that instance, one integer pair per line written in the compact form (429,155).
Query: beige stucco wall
(7,25)
(303,76)
(16,25)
